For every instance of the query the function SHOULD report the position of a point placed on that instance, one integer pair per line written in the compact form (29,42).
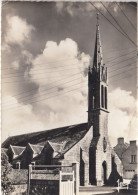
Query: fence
(54,179)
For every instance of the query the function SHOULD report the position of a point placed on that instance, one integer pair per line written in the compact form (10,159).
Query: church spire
(98,57)
(97,81)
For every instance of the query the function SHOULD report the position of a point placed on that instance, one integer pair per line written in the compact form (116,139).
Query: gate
(66,183)
(53,179)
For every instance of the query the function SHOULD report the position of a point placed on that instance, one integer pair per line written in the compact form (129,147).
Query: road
(121,192)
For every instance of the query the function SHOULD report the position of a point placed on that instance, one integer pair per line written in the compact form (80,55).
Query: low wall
(48,187)
(20,189)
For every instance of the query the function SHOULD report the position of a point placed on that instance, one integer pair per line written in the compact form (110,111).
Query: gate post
(29,177)
(75,167)
(60,178)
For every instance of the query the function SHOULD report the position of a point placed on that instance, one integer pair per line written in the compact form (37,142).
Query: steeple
(98,56)
(97,80)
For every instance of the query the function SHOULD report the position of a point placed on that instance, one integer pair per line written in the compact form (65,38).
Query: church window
(18,165)
(102,96)
(105,97)
(133,158)
(93,102)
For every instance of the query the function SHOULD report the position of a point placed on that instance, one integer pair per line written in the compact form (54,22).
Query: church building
(87,143)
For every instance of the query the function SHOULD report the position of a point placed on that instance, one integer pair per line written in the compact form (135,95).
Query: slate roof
(17,150)
(64,137)
(56,146)
(36,148)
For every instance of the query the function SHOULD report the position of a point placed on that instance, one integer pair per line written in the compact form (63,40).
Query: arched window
(105,97)
(93,102)
(102,96)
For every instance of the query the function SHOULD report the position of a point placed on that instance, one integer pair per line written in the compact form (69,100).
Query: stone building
(128,155)
(121,147)
(87,143)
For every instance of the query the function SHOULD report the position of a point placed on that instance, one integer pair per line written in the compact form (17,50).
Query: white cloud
(62,62)
(18,30)
(15,64)
(122,99)
(122,107)
(74,8)
(60,73)
(19,120)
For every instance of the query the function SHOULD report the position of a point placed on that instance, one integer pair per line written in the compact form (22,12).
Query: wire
(121,67)
(116,80)
(4,3)
(51,62)
(79,83)
(73,90)
(61,66)
(126,16)
(119,56)
(132,5)
(122,61)
(116,22)
(60,75)
(50,96)
(38,73)
(64,68)
(110,22)
(122,72)
(50,88)
(17,81)
(16,95)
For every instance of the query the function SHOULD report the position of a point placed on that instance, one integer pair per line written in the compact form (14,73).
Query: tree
(6,183)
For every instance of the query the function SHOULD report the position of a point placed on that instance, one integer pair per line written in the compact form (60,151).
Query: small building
(128,155)
(121,147)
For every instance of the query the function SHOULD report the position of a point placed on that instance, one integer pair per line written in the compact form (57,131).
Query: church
(87,143)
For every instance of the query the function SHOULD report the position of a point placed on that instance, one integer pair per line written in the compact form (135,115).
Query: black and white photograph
(69,98)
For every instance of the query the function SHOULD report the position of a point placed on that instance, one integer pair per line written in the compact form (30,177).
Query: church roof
(17,150)
(68,135)
(36,148)
(56,146)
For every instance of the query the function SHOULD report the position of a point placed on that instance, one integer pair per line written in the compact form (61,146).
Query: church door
(104,172)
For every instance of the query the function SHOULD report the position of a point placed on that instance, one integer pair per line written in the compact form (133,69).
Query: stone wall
(20,189)
(19,176)
(73,154)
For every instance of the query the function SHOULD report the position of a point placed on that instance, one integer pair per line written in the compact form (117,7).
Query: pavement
(106,191)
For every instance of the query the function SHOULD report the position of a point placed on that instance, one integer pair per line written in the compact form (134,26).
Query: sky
(47,48)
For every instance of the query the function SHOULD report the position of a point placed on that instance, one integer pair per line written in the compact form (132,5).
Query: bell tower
(98,89)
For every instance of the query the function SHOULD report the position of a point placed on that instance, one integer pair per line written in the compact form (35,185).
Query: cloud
(122,117)
(19,120)
(60,72)
(73,8)
(57,61)
(18,30)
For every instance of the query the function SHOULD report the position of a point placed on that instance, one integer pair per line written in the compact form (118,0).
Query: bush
(6,184)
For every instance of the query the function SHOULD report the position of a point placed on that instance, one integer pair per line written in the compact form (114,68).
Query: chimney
(120,140)
(133,143)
